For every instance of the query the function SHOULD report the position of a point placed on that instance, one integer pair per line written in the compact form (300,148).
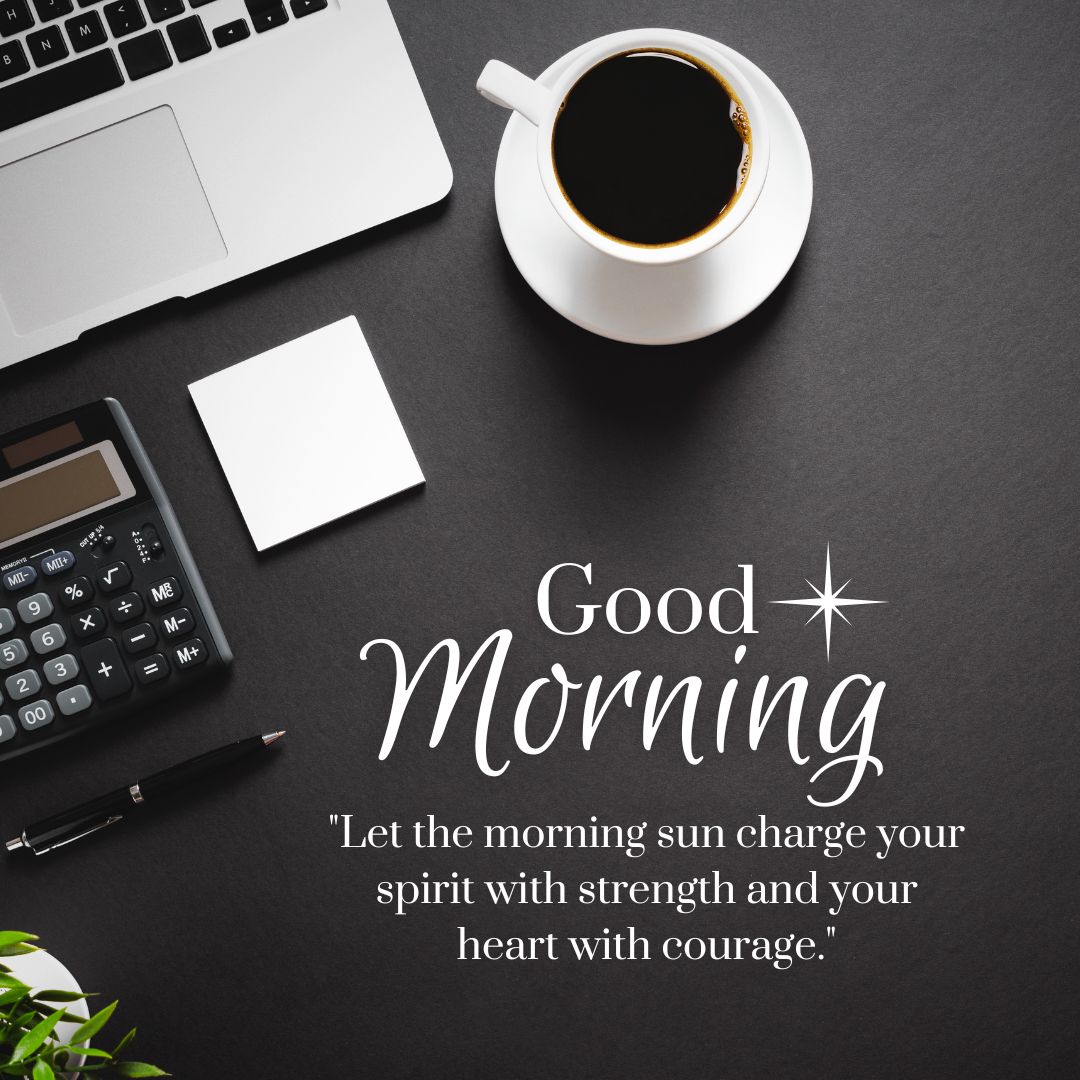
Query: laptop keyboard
(51,53)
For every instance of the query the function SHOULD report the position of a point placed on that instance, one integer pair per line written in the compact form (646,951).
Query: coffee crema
(651,147)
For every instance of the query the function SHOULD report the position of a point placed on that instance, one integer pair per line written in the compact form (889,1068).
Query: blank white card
(306,433)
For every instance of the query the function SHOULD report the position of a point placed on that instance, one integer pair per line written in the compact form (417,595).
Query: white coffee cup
(541,104)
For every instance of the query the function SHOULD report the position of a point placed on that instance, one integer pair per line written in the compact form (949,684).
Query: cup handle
(506,86)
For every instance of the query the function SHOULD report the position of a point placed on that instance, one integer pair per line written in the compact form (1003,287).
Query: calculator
(102,610)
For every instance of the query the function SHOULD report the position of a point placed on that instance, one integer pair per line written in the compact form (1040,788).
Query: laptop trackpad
(99,218)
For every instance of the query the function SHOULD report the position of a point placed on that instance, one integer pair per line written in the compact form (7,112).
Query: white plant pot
(42,971)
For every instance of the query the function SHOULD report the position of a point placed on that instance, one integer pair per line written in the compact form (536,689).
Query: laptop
(152,149)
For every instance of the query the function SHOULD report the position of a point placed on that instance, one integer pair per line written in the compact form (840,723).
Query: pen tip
(269,740)
(16,844)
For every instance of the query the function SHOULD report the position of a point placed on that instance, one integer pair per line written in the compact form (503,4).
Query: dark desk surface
(909,395)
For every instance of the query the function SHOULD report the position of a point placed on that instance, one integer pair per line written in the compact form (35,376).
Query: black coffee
(650,147)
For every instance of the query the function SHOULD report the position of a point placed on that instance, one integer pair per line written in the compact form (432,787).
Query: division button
(151,669)
(88,623)
(139,638)
(75,700)
(48,639)
(127,607)
(165,592)
(22,577)
(76,592)
(115,577)
(36,715)
(61,670)
(108,676)
(34,608)
(178,624)
(189,654)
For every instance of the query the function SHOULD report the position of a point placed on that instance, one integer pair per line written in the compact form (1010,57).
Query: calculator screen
(62,491)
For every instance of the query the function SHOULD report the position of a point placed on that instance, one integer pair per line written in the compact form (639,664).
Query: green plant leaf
(59,995)
(9,997)
(138,1068)
(35,1037)
(14,937)
(43,1071)
(10,982)
(124,1042)
(93,1025)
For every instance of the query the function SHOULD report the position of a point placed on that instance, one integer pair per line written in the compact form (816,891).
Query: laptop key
(188,38)
(82,78)
(160,10)
(266,14)
(46,45)
(231,33)
(125,17)
(199,3)
(14,16)
(85,32)
(144,55)
(12,61)
(300,8)
(47,10)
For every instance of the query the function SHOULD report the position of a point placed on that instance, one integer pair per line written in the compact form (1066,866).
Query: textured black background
(908,394)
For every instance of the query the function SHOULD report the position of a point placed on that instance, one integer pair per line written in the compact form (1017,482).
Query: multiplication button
(88,623)
(74,700)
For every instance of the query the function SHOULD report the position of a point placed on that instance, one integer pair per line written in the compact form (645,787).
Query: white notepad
(306,433)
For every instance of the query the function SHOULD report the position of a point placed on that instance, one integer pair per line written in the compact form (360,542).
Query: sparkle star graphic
(828,602)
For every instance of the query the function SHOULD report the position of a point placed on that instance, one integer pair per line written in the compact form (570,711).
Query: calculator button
(178,624)
(108,676)
(20,578)
(189,654)
(61,670)
(76,592)
(12,653)
(23,685)
(48,639)
(57,563)
(114,578)
(165,592)
(151,669)
(88,623)
(7,728)
(127,607)
(7,621)
(74,700)
(34,608)
(139,638)
(36,715)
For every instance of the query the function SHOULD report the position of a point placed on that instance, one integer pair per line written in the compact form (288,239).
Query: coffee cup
(652,146)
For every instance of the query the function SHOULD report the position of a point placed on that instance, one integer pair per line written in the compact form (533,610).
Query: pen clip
(112,819)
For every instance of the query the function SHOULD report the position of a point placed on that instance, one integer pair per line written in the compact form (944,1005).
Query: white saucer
(658,305)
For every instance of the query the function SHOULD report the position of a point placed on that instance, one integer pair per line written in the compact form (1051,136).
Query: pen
(89,817)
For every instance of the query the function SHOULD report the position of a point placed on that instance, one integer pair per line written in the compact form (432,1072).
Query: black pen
(89,817)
